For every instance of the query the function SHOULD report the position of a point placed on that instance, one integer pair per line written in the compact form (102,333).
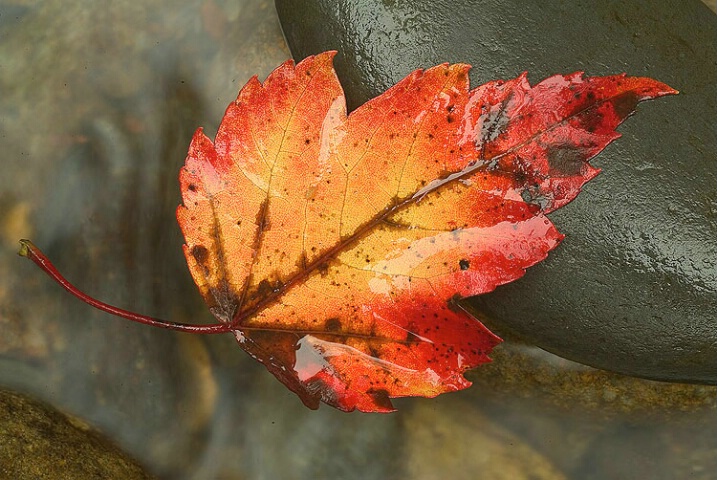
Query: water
(99,102)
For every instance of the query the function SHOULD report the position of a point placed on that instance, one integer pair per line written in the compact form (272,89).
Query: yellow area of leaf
(292,185)
(335,244)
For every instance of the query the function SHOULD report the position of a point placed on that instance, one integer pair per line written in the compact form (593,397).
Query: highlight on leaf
(336,248)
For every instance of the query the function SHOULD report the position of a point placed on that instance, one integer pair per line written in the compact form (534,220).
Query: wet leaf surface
(339,246)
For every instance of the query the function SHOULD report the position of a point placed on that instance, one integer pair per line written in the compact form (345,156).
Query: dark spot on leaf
(625,104)
(323,268)
(380,398)
(264,289)
(200,254)
(449,118)
(262,217)
(192,187)
(464,264)
(565,160)
(519,177)
(332,325)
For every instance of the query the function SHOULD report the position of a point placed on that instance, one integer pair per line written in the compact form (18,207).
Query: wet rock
(476,429)
(532,375)
(457,442)
(38,442)
(632,288)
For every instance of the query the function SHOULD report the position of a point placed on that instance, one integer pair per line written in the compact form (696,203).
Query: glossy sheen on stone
(633,286)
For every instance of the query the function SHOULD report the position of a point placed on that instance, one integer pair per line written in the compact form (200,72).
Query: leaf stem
(29,250)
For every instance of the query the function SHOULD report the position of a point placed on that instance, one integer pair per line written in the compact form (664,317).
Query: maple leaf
(336,248)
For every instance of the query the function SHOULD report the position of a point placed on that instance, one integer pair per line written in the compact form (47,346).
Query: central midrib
(367,227)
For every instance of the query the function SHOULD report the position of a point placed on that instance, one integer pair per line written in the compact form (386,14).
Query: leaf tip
(323,57)
(668,90)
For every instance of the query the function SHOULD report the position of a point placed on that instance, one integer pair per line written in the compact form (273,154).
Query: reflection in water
(99,104)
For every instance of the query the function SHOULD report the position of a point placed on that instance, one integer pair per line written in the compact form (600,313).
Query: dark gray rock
(633,287)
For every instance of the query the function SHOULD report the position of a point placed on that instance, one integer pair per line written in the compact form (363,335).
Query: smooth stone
(39,442)
(528,374)
(632,288)
(459,443)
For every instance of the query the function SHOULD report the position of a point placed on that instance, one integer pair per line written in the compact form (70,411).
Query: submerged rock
(37,441)
(633,287)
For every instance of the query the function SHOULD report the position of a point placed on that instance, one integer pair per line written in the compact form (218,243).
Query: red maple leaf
(335,248)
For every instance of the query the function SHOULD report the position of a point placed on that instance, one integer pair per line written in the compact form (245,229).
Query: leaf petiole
(29,250)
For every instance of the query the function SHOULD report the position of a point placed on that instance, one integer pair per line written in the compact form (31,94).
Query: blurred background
(99,101)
